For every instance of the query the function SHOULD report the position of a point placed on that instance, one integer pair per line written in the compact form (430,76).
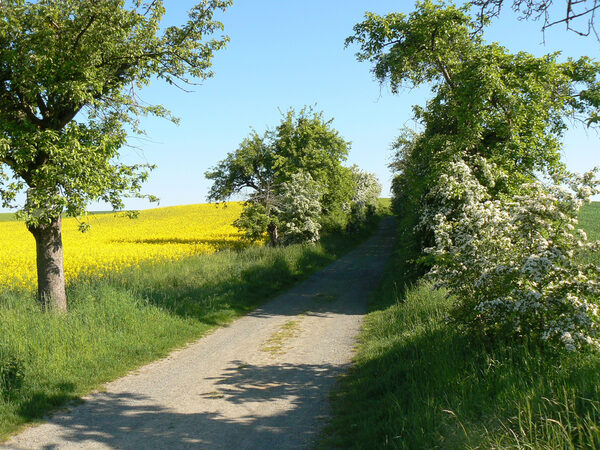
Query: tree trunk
(273,234)
(50,270)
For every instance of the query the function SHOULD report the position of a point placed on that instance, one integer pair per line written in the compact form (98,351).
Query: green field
(590,220)
(418,383)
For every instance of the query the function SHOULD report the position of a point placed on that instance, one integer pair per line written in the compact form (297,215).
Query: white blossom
(513,265)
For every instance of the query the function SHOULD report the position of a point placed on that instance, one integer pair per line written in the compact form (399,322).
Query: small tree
(69,71)
(302,142)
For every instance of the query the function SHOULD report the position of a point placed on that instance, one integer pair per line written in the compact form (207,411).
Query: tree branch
(82,32)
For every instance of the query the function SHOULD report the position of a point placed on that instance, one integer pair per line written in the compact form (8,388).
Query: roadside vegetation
(486,330)
(418,382)
(294,181)
(136,315)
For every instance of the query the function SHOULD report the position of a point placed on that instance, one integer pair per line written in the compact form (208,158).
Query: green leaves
(69,71)
(263,166)
(422,47)
(303,141)
(487,103)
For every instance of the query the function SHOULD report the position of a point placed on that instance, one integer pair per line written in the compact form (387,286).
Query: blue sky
(290,53)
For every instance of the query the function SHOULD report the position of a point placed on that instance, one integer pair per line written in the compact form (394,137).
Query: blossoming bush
(299,209)
(515,265)
(366,194)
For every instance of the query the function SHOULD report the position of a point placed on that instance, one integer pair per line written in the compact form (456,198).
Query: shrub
(298,209)
(366,196)
(514,265)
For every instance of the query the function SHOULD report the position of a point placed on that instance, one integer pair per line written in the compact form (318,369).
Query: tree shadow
(272,406)
(36,404)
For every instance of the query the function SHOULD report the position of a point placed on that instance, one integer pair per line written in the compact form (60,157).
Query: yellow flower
(114,241)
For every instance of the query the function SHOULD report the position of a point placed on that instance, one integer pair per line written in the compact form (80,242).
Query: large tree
(69,75)
(510,109)
(303,142)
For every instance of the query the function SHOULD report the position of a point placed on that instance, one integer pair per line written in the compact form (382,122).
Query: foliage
(299,209)
(365,200)
(510,109)
(303,142)
(69,72)
(115,242)
(251,166)
(307,142)
(515,267)
(254,220)
(466,184)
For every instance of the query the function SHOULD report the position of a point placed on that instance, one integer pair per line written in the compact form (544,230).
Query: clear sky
(290,53)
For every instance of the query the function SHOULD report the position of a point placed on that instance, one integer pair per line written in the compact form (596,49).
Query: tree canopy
(69,75)
(303,142)
(510,109)
(70,72)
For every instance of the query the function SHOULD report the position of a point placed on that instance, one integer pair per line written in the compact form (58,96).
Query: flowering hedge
(366,195)
(514,265)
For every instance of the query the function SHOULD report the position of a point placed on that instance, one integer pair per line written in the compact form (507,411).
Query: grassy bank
(417,383)
(130,318)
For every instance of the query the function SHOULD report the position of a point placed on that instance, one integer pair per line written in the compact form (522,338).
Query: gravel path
(261,382)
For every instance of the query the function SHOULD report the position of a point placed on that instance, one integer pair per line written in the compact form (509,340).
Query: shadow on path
(135,421)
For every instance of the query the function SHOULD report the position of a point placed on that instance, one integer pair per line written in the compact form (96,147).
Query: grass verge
(136,316)
(418,383)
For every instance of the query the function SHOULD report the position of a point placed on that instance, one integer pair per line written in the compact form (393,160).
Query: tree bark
(273,234)
(50,269)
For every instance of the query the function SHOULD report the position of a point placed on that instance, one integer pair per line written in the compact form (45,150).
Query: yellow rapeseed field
(116,241)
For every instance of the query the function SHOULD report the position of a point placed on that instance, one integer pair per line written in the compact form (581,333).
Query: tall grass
(418,383)
(130,318)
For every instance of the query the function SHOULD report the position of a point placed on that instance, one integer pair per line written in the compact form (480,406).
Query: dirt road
(261,382)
